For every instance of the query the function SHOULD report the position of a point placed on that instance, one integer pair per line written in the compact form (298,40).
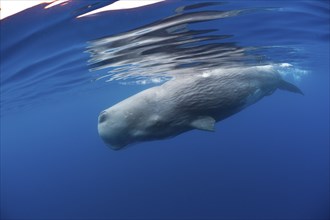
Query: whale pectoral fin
(205,123)
(284,85)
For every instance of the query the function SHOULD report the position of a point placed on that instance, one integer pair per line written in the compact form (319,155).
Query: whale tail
(284,85)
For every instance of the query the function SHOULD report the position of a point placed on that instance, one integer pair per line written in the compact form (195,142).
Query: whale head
(113,129)
(128,122)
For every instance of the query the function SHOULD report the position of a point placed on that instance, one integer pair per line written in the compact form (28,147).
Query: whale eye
(102,116)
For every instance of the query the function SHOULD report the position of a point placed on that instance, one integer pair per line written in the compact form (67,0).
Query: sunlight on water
(58,2)
(11,7)
(167,47)
(51,52)
(122,4)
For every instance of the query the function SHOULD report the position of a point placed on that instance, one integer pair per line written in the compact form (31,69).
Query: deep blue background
(270,161)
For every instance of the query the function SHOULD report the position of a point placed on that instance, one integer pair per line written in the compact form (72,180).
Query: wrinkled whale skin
(194,101)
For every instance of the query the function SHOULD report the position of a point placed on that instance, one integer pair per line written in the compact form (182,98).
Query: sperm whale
(194,101)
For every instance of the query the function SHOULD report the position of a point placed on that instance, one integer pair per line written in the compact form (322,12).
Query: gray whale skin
(187,102)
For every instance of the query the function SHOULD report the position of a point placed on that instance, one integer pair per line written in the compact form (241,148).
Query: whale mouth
(117,147)
(103,116)
(113,144)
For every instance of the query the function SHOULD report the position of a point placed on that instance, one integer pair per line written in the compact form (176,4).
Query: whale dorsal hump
(205,123)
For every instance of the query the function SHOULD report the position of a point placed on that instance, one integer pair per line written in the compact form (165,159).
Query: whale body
(187,102)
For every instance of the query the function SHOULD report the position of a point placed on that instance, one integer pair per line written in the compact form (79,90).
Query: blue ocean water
(270,161)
